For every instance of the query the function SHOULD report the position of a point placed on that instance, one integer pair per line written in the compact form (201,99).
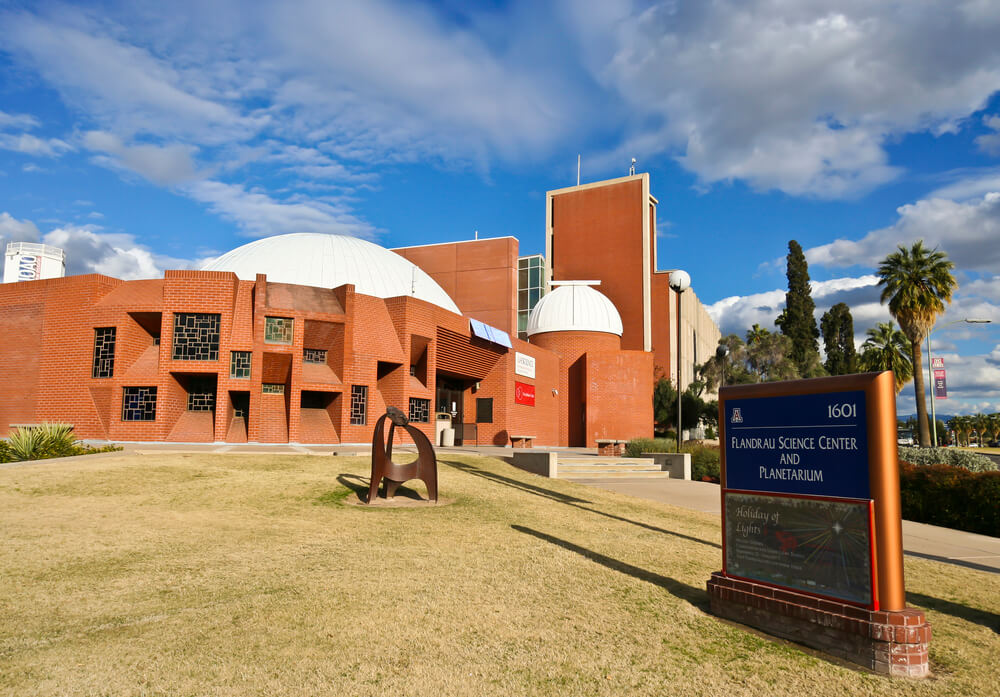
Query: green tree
(664,405)
(838,339)
(918,283)
(797,321)
(769,356)
(887,348)
(983,426)
(726,367)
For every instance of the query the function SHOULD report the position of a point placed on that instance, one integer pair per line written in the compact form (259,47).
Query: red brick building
(308,338)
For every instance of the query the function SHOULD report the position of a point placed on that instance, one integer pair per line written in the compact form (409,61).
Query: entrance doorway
(449,398)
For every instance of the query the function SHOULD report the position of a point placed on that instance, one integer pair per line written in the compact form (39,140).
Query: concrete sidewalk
(919,540)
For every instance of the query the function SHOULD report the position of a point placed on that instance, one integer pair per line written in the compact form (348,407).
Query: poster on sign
(524,394)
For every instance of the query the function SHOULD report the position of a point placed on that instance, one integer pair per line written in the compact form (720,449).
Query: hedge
(951,497)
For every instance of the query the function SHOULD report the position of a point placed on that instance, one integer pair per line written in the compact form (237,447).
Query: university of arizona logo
(736,418)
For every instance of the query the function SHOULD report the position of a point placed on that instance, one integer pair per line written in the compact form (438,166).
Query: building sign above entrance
(524,365)
(524,394)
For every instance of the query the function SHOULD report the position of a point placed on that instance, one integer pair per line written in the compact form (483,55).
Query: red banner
(940,384)
(524,394)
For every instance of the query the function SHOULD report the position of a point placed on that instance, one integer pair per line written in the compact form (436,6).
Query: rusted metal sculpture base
(423,468)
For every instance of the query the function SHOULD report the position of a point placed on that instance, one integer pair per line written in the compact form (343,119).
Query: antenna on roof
(631,170)
(578,169)
(477,234)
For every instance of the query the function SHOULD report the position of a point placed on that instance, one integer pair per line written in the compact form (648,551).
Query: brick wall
(479,275)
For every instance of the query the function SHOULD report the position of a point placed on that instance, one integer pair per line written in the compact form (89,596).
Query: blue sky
(146,136)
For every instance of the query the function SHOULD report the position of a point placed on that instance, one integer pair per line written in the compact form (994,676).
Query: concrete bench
(677,464)
(537,462)
(521,441)
(611,447)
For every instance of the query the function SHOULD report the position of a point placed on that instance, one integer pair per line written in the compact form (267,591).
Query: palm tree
(983,427)
(886,348)
(918,283)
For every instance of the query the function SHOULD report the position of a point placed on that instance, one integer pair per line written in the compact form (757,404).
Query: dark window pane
(138,404)
(104,352)
(196,337)
(484,410)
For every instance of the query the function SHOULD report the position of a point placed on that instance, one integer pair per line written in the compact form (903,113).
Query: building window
(530,289)
(138,404)
(196,336)
(314,355)
(272,388)
(239,364)
(278,330)
(420,410)
(104,352)
(359,405)
(201,393)
(484,410)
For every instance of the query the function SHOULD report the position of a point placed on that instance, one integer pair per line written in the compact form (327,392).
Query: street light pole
(930,372)
(679,282)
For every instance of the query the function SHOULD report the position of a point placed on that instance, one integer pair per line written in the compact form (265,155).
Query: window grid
(278,330)
(314,355)
(196,336)
(420,410)
(138,404)
(201,394)
(272,388)
(530,289)
(239,364)
(359,405)
(104,352)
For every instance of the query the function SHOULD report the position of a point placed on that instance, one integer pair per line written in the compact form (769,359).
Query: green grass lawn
(251,575)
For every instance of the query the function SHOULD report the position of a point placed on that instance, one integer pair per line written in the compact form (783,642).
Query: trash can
(448,437)
(442,420)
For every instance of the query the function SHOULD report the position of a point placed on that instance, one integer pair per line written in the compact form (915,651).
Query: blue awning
(491,334)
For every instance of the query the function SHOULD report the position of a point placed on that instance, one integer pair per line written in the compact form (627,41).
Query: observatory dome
(574,307)
(328,261)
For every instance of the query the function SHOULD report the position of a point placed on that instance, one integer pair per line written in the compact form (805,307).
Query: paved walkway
(919,540)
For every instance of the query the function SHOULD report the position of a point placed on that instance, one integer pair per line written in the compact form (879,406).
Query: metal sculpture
(423,468)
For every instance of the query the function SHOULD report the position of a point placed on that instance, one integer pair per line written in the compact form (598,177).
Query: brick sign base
(893,643)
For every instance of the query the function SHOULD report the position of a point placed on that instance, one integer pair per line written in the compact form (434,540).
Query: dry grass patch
(226,575)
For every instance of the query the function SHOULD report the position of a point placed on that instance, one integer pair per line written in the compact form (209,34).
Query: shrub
(637,446)
(46,441)
(951,496)
(704,463)
(974,462)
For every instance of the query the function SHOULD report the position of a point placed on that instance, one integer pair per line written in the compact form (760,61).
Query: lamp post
(720,355)
(930,372)
(680,281)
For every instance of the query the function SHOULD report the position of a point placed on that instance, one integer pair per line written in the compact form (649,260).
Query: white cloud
(20,122)
(964,230)
(14,230)
(801,97)
(28,144)
(117,82)
(89,250)
(166,165)
(990,142)
(260,215)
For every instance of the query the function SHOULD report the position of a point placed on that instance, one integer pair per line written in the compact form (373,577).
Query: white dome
(328,261)
(574,308)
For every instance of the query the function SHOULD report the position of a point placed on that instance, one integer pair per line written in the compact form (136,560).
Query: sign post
(812,530)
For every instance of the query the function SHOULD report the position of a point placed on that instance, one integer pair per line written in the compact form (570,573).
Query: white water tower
(27,261)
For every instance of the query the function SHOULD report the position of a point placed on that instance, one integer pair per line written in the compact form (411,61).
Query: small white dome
(574,308)
(328,261)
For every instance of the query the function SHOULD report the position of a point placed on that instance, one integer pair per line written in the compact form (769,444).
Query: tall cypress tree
(838,340)
(797,321)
